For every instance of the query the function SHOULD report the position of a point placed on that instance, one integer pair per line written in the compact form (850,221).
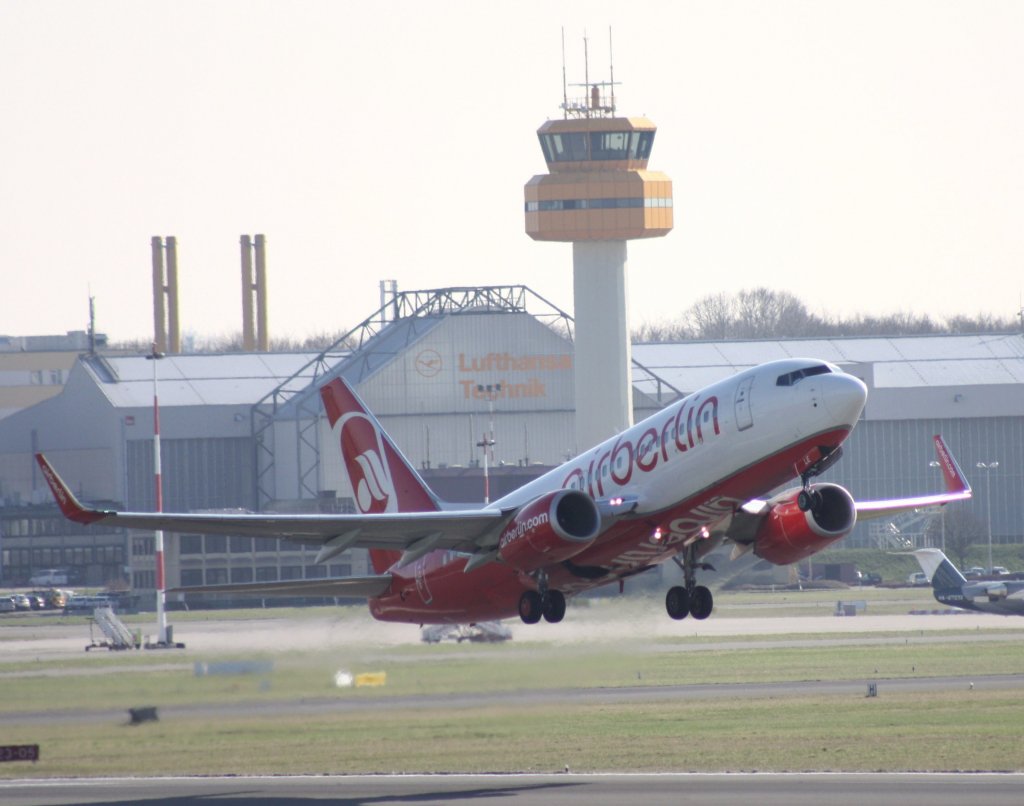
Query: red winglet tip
(69,506)
(956,482)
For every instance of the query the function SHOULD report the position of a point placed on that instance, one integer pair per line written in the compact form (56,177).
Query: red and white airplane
(674,486)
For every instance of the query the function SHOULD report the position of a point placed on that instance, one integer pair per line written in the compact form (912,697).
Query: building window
(216,576)
(191,577)
(241,575)
(267,574)
(265,544)
(241,545)
(190,544)
(291,572)
(144,580)
(216,544)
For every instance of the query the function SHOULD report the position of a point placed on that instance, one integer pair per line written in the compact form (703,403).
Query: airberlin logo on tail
(363,451)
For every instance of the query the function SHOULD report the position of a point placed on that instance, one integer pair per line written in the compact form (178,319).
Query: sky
(867,157)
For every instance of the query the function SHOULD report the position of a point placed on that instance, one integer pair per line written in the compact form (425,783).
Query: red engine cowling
(550,529)
(788,534)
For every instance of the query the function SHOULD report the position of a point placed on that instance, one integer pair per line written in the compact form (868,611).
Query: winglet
(956,481)
(69,505)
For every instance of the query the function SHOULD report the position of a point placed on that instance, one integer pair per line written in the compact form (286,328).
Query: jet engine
(789,534)
(550,529)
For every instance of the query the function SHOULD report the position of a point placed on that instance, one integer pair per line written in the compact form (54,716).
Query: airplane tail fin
(382,478)
(940,571)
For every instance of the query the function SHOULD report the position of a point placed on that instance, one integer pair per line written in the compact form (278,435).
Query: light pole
(161,616)
(988,467)
(942,512)
(487,443)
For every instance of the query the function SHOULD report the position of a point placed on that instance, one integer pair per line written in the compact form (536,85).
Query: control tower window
(640,145)
(570,147)
(609,145)
(598,146)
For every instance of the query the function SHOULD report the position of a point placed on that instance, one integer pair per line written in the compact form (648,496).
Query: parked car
(49,577)
(1000,571)
(7,604)
(918,578)
(84,605)
(21,601)
(869,578)
(974,572)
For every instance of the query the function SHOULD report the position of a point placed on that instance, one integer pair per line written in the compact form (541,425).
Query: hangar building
(443,370)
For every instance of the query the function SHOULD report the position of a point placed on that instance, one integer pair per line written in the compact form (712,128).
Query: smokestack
(173,325)
(255,334)
(262,333)
(166,328)
(159,321)
(248,331)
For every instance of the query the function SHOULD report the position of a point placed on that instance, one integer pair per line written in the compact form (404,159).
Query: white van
(49,578)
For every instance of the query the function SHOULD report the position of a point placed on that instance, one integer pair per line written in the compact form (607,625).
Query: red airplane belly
(446,595)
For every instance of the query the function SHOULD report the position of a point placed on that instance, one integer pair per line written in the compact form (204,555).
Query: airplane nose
(844,397)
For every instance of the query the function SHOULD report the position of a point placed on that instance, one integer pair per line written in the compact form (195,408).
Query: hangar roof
(911,361)
(196,380)
(899,361)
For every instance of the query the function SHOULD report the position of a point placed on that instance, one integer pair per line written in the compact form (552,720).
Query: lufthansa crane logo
(428,363)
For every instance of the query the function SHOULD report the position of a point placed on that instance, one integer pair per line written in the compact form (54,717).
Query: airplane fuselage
(686,468)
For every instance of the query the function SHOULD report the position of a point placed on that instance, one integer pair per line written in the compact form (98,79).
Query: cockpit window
(794,377)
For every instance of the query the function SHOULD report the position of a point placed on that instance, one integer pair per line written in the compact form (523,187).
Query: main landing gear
(549,604)
(689,599)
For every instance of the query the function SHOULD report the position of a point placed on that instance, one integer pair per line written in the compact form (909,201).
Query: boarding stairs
(117,633)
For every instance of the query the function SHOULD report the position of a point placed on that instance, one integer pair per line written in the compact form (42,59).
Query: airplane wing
(744,525)
(957,489)
(415,533)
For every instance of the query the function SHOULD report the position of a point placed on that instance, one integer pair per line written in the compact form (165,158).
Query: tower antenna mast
(611,69)
(586,68)
(565,90)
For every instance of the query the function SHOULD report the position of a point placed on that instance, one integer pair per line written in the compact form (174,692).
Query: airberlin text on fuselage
(682,431)
(517,530)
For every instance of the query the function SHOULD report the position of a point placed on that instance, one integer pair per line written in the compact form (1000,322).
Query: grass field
(952,730)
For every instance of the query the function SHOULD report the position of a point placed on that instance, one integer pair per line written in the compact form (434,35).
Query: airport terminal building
(444,371)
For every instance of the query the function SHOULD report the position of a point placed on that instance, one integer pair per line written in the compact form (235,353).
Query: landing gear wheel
(530,607)
(701,602)
(553,606)
(808,500)
(677,602)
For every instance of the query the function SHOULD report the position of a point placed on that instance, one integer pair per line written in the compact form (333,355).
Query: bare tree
(763,313)
(962,530)
(712,317)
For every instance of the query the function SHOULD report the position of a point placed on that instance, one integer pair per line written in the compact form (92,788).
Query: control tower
(598,194)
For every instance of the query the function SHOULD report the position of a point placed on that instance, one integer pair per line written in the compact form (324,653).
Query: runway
(907,789)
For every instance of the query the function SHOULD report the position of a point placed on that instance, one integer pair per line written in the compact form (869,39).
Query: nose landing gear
(809,500)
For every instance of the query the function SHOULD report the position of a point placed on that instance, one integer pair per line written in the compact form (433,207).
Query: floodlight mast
(161,615)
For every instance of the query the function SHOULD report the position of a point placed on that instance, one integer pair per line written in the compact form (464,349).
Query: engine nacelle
(788,534)
(550,529)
